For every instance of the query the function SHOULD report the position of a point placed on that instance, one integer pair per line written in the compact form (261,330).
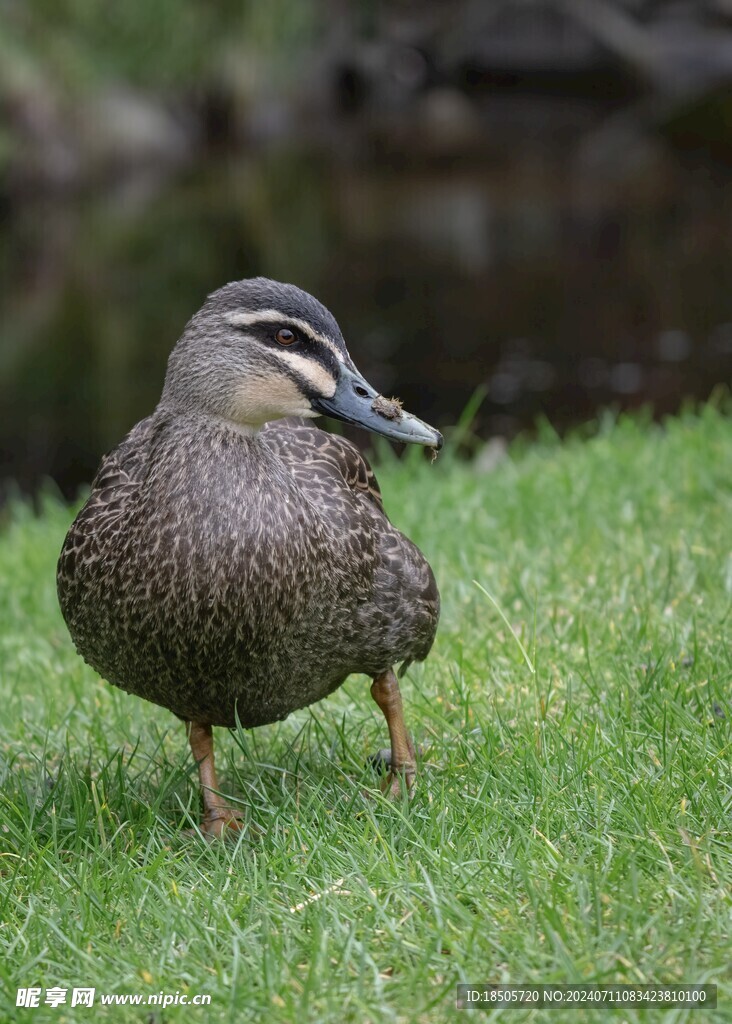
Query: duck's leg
(217,814)
(386,693)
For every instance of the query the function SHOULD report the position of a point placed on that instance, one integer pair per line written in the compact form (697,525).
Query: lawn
(572,816)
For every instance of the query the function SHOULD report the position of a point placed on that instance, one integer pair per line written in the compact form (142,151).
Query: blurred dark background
(528,196)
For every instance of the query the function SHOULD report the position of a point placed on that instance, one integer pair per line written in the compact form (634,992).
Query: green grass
(571,823)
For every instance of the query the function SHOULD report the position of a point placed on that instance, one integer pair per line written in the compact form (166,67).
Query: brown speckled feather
(291,438)
(228,572)
(225,576)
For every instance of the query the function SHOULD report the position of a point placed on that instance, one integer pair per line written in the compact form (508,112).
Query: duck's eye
(285,336)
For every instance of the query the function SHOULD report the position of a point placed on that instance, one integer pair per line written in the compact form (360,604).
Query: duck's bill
(355,401)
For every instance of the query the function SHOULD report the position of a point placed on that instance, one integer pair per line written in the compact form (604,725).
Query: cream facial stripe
(275,316)
(314,373)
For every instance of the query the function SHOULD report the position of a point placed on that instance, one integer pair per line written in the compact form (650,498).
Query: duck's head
(259,350)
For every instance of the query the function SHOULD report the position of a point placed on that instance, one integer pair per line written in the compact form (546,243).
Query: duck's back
(231,577)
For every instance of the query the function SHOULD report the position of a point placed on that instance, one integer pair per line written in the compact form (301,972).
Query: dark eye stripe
(270,329)
(308,346)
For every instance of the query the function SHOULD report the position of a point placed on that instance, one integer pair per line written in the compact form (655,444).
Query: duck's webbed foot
(218,816)
(216,822)
(401,760)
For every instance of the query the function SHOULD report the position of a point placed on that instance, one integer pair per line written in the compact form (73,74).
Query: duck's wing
(301,443)
(402,600)
(118,478)
(127,462)
(122,469)
(102,517)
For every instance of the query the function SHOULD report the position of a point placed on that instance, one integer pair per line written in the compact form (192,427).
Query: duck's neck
(219,424)
(243,429)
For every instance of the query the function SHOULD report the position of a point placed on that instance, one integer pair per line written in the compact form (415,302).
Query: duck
(233,562)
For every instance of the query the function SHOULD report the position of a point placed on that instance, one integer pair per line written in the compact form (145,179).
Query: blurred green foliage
(77,44)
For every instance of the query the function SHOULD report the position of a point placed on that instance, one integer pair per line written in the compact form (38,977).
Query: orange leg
(217,814)
(386,693)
